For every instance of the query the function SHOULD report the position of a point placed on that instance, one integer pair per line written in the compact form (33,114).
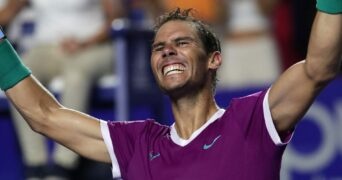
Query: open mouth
(173,69)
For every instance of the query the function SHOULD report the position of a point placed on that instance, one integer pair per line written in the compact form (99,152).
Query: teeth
(174,72)
(173,69)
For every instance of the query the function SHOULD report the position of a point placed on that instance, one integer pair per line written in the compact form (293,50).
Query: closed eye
(182,43)
(157,47)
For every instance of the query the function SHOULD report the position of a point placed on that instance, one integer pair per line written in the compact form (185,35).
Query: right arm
(295,90)
(77,131)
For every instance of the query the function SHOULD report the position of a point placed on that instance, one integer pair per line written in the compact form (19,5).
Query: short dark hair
(209,40)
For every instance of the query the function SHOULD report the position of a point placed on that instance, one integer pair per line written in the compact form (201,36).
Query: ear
(215,60)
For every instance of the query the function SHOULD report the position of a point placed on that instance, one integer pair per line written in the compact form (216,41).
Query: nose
(169,50)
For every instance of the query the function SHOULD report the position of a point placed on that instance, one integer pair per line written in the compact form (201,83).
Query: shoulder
(251,97)
(245,108)
(248,101)
(138,126)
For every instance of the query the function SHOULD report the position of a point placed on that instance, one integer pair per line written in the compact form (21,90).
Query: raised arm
(293,93)
(79,132)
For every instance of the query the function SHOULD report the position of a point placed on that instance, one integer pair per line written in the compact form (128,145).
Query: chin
(178,90)
(168,90)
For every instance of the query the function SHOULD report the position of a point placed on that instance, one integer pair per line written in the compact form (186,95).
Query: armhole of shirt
(270,125)
(108,141)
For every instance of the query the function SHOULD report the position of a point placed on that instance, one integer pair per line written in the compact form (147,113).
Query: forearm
(66,126)
(324,52)
(31,99)
(43,113)
(34,102)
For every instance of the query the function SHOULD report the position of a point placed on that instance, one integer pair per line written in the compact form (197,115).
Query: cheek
(154,66)
(201,66)
(153,62)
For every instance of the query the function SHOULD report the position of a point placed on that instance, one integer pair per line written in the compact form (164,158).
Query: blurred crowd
(70,41)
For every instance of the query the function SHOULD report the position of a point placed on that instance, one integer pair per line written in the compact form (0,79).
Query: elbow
(38,124)
(42,119)
(36,127)
(319,73)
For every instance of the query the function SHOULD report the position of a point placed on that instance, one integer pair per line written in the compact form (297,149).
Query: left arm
(293,93)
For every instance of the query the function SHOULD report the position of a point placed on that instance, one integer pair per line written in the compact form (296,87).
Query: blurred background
(94,57)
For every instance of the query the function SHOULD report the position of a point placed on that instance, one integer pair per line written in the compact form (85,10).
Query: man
(245,141)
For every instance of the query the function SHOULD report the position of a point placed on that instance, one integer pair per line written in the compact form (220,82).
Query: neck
(192,111)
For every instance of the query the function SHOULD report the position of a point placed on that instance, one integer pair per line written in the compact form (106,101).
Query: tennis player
(244,141)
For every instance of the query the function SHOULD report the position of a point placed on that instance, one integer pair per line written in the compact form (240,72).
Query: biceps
(80,133)
(91,148)
(291,96)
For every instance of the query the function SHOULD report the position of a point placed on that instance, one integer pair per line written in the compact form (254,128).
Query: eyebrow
(154,45)
(184,38)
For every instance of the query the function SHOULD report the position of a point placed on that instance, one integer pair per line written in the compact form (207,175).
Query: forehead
(176,28)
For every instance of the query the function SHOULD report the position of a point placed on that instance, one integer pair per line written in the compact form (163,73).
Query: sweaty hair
(209,40)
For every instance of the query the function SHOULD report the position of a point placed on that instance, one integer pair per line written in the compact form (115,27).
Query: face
(178,59)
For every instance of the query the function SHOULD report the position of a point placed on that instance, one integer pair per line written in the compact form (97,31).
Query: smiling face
(179,61)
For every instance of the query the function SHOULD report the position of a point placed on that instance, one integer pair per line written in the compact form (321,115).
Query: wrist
(330,6)
(12,70)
